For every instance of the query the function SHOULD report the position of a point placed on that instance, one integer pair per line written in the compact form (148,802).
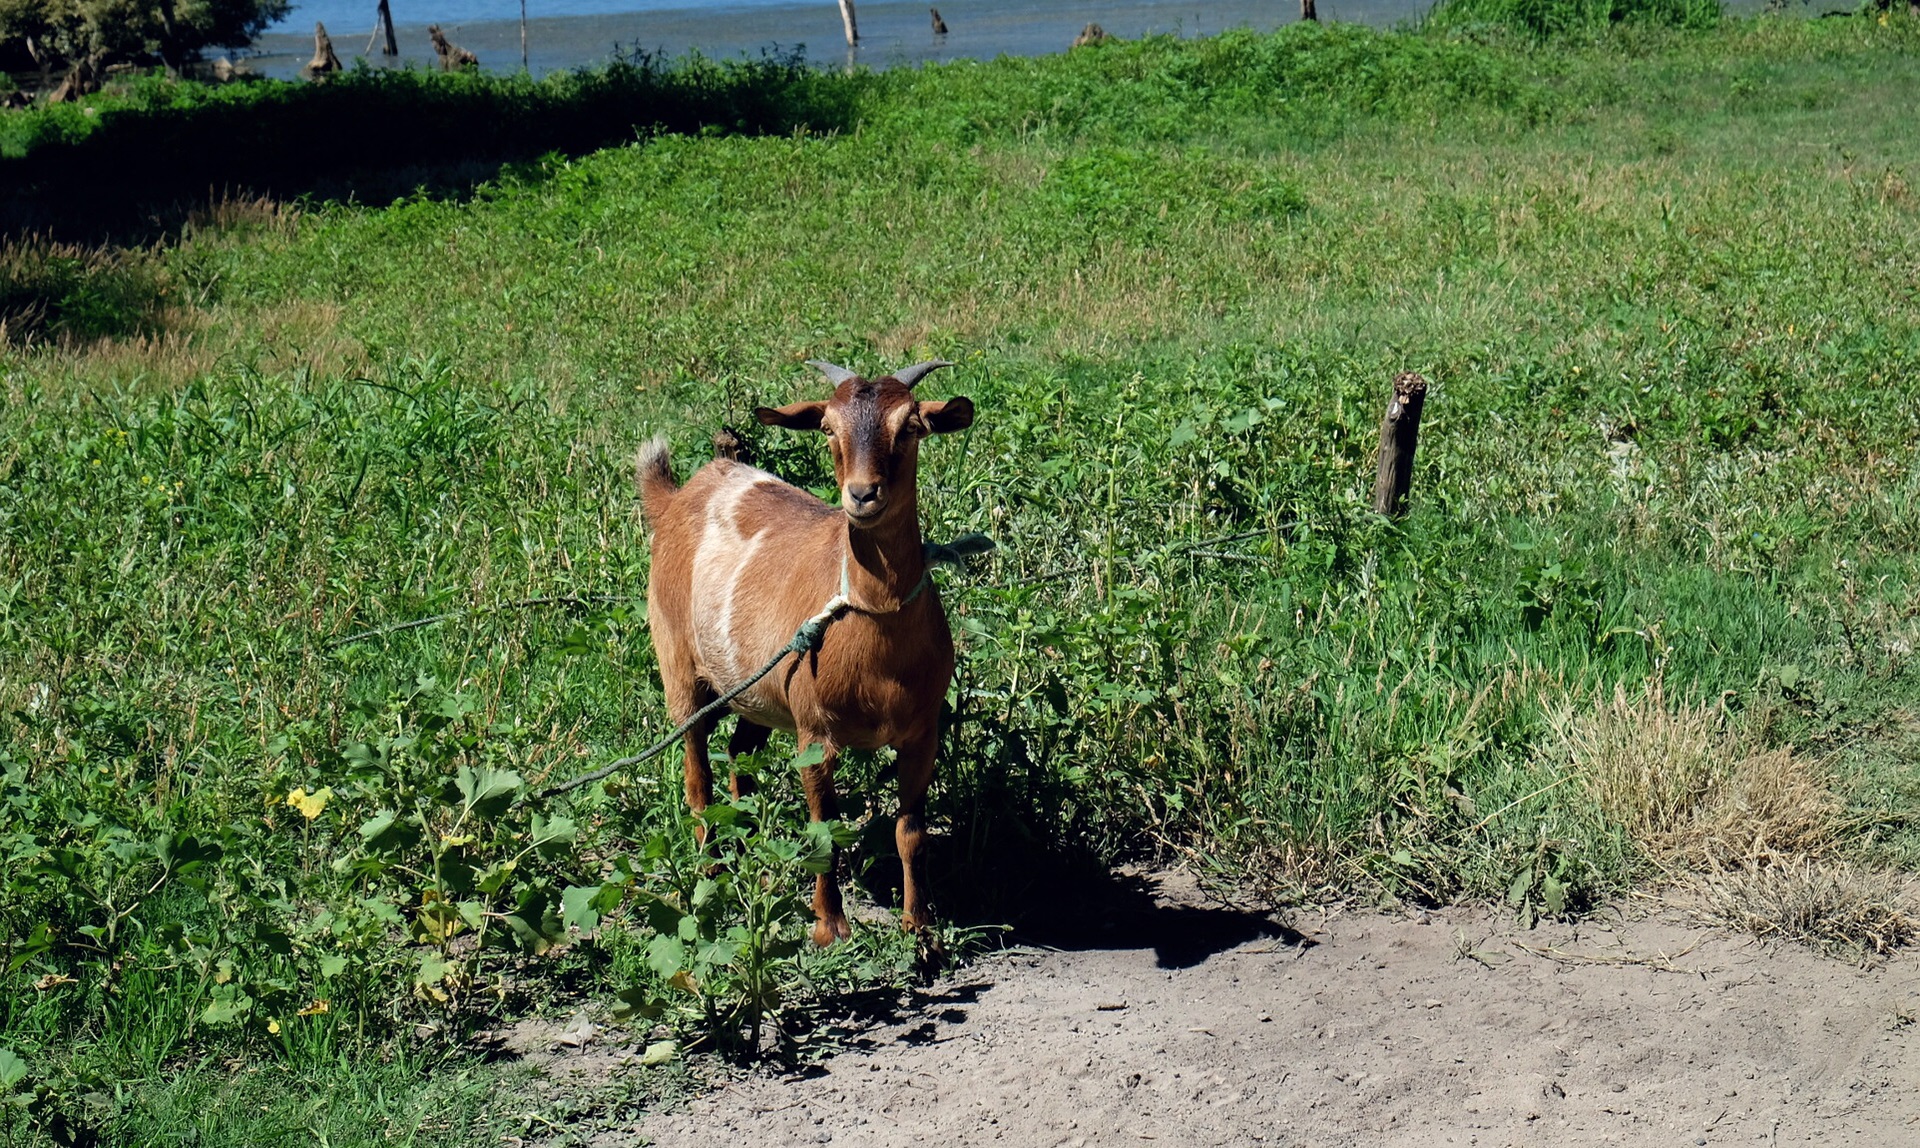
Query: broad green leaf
(551,837)
(1553,893)
(229,1006)
(581,905)
(13,1070)
(486,787)
(1522,884)
(433,969)
(386,912)
(666,955)
(386,831)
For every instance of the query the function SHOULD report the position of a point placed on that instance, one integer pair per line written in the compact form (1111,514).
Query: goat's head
(874,428)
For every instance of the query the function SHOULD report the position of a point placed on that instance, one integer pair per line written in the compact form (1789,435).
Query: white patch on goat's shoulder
(721,561)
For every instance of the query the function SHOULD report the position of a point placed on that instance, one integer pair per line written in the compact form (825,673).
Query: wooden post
(846,17)
(1307,11)
(383,24)
(1399,435)
(523,35)
(940,26)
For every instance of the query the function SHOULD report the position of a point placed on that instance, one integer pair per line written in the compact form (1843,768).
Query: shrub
(1542,19)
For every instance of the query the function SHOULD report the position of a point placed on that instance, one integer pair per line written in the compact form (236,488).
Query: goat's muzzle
(864,502)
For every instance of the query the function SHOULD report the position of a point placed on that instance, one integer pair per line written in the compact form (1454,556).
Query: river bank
(892,34)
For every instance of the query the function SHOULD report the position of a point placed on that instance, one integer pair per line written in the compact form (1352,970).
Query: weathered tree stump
(452,56)
(83,79)
(846,18)
(1091,34)
(940,26)
(1399,436)
(324,63)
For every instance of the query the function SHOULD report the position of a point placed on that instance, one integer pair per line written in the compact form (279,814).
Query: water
(575,33)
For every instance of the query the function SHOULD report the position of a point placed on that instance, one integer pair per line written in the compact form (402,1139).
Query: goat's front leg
(830,918)
(910,829)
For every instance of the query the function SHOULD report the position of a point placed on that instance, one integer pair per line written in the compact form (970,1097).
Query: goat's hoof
(827,930)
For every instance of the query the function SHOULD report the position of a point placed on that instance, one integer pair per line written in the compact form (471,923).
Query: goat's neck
(886,563)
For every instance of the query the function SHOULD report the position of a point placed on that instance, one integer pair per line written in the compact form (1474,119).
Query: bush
(1547,18)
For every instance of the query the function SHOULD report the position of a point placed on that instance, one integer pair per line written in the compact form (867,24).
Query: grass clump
(1689,788)
(1752,834)
(1829,904)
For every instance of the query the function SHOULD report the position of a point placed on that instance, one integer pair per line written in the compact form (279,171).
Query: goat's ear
(799,416)
(947,416)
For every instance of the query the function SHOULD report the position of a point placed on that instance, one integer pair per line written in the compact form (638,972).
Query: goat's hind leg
(686,696)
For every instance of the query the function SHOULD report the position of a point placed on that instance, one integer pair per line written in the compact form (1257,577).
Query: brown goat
(741,559)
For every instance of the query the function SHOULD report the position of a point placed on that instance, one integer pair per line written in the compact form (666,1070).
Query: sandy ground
(1164,1020)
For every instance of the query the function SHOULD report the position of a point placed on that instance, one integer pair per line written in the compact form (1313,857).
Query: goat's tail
(653,472)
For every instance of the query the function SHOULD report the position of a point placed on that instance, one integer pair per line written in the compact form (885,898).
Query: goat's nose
(863,494)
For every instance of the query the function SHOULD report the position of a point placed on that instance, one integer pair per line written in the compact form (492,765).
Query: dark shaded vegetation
(72,291)
(135,166)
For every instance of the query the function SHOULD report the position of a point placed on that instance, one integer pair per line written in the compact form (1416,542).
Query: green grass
(1662,282)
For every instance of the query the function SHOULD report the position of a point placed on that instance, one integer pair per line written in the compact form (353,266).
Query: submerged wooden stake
(1399,435)
(383,25)
(1308,12)
(846,17)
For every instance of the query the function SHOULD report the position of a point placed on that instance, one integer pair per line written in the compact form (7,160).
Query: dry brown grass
(1832,905)
(1648,765)
(1747,832)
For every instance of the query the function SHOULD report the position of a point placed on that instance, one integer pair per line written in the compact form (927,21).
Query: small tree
(66,34)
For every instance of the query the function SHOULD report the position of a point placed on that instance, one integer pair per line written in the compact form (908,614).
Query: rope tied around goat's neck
(932,554)
(806,639)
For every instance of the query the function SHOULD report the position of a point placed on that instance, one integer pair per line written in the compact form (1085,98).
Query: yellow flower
(310,804)
(273,1026)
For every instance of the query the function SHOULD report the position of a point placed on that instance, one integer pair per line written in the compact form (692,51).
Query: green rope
(805,640)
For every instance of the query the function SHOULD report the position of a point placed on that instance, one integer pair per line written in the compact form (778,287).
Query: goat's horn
(835,375)
(911,375)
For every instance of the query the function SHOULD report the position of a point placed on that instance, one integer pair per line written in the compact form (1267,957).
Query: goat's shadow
(1109,910)
(1057,900)
(1059,906)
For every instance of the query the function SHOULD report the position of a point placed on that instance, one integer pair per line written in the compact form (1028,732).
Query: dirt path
(1176,1023)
